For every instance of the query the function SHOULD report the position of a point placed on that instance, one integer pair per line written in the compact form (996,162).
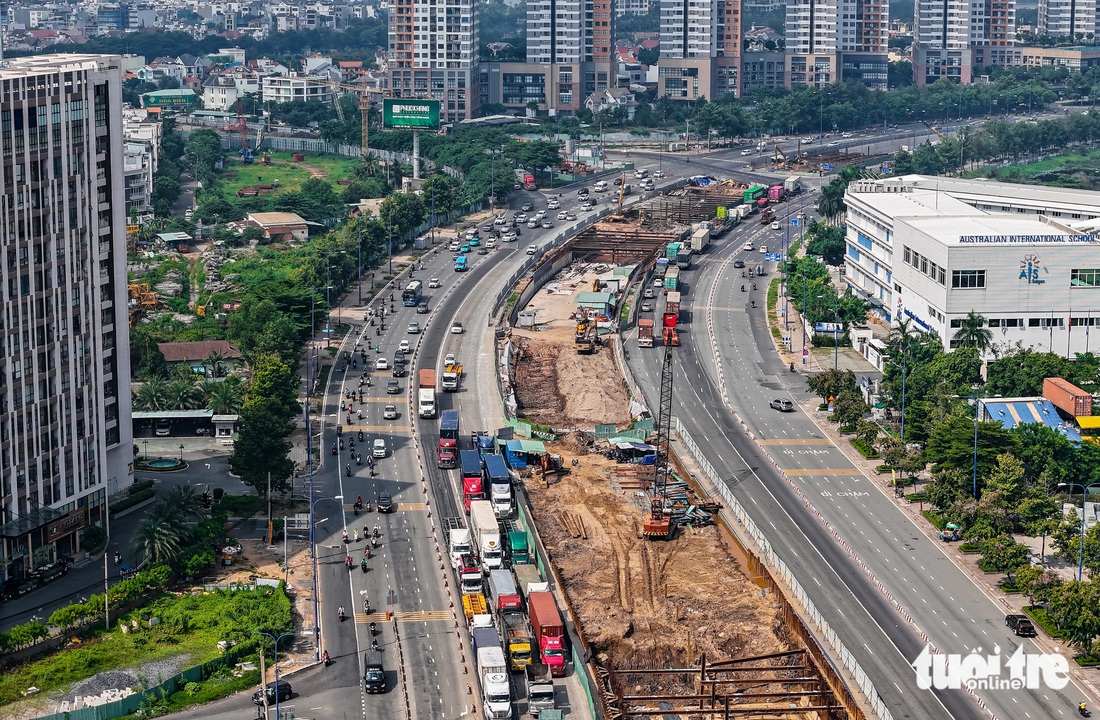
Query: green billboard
(414,114)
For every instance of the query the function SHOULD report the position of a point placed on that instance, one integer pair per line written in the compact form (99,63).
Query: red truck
(447,450)
(672,310)
(777,193)
(529,182)
(645,333)
(472,487)
(547,627)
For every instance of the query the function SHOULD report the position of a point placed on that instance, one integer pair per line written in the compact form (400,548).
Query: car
(500,220)
(508,237)
(583,192)
(399,357)
(487,228)
(658,282)
(658,174)
(763,248)
(404,346)
(378,448)
(422,307)
(491,245)
(782,405)
(471,233)
(521,218)
(739,263)
(846,135)
(393,387)
(517,186)
(562,215)
(381,364)
(1020,625)
(546,224)
(647,307)
(453,247)
(746,151)
(775,225)
(618,181)
(531,249)
(540,214)
(279,689)
(464,249)
(398,369)
(570,217)
(474,243)
(433,283)
(450,359)
(413,329)
(527,207)
(834,143)
(648,293)
(164,428)
(749,246)
(385,502)
(553,204)
(389,412)
(532,224)
(482,251)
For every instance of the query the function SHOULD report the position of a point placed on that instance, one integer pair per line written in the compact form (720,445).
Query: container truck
(700,239)
(548,630)
(670,252)
(486,531)
(518,551)
(683,258)
(447,450)
(472,485)
(777,193)
(426,396)
(458,540)
(473,605)
(517,639)
(485,637)
(452,376)
(540,691)
(793,185)
(483,442)
(493,671)
(672,279)
(1067,397)
(527,577)
(661,268)
(469,574)
(529,182)
(500,485)
(672,310)
(753,194)
(645,333)
(502,591)
(743,211)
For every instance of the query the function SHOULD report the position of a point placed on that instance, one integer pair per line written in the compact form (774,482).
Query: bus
(410,296)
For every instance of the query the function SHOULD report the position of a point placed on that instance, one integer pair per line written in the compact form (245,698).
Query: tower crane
(364,103)
(658,524)
(241,125)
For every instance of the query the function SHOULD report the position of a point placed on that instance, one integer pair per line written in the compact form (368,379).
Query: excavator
(618,216)
(780,157)
(584,338)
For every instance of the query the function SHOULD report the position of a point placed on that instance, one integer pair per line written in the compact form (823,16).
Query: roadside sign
(794,222)
(826,166)
(415,114)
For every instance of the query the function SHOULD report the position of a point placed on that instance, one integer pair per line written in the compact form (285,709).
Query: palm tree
(152,395)
(973,333)
(182,502)
(160,536)
(223,398)
(831,202)
(182,395)
(215,361)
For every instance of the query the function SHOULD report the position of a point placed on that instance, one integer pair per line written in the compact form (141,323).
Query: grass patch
(1087,660)
(290,175)
(240,505)
(970,548)
(935,518)
(917,497)
(219,685)
(1041,617)
(865,450)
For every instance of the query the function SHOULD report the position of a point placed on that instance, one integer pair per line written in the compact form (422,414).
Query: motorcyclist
(742,288)
(374,645)
(1083,709)
(347,470)
(325,658)
(347,561)
(375,532)
(345,536)
(359,502)
(356,532)
(340,612)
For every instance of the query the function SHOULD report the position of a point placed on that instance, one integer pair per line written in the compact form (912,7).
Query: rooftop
(994,230)
(1021,411)
(265,219)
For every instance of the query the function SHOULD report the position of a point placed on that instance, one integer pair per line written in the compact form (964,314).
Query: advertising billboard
(410,114)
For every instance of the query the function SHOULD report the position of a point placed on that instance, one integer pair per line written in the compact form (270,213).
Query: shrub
(139,486)
(865,450)
(128,502)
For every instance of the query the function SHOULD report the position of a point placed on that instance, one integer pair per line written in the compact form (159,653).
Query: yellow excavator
(780,156)
(584,337)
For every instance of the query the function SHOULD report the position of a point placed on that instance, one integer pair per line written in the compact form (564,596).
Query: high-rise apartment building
(834,40)
(1067,18)
(955,36)
(700,49)
(65,420)
(433,53)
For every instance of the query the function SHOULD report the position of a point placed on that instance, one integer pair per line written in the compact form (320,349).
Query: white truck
(426,403)
(743,211)
(700,238)
(458,541)
(486,533)
(495,688)
(452,376)
(793,185)
(540,689)
(500,485)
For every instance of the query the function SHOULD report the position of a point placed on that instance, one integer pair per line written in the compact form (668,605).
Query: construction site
(677,620)
(779,161)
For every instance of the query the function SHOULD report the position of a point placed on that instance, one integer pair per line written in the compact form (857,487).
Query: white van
(601,186)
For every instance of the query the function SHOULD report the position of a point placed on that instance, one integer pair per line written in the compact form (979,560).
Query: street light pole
(836,337)
(313,552)
(1084,504)
(263,685)
(802,318)
(359,279)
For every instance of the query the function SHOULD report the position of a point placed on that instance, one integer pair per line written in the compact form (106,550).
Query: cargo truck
(528,577)
(540,691)
(699,240)
(486,531)
(473,605)
(469,574)
(517,639)
(495,688)
(426,395)
(529,182)
(743,211)
(458,540)
(502,591)
(1067,397)
(683,258)
(518,552)
(447,450)
(484,443)
(672,310)
(670,252)
(452,376)
(753,194)
(661,268)
(793,185)
(645,333)
(767,216)
(500,485)
(485,637)
(548,630)
(672,279)
(777,193)
(473,488)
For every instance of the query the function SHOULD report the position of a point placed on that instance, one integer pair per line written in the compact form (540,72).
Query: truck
(661,267)
(670,252)
(540,691)
(484,443)
(426,402)
(502,591)
(484,637)
(528,580)
(672,279)
(517,639)
(447,450)
(1020,625)
(469,574)
(777,193)
(493,671)
(743,211)
(473,605)
(793,185)
(767,216)
(672,310)
(486,531)
(683,258)
(458,540)
(548,630)
(517,549)
(500,485)
(754,193)
(472,486)
(1067,397)
(452,376)
(700,239)
(645,333)
(529,182)
(460,263)
(374,672)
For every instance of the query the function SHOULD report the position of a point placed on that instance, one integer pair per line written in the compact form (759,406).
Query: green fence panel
(605,431)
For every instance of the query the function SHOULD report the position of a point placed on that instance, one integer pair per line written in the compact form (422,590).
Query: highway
(940,598)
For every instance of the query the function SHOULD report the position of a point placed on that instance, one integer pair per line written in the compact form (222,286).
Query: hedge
(139,486)
(135,499)
(864,449)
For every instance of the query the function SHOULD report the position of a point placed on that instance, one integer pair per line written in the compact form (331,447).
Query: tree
(152,395)
(160,536)
(973,333)
(830,383)
(181,502)
(826,241)
(1036,584)
(951,443)
(223,398)
(215,362)
(1075,607)
(1003,554)
(183,395)
(261,452)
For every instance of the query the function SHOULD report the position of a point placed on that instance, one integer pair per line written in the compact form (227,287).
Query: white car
(552,204)
(381,364)
(521,218)
(434,282)
(450,359)
(501,220)
(508,237)
(456,328)
(775,225)
(413,329)
(389,412)
(404,346)
(658,174)
(454,246)
(531,249)
(378,448)
(540,214)
(763,248)
(749,246)
(532,223)
(570,217)
(562,215)
(746,151)
(647,307)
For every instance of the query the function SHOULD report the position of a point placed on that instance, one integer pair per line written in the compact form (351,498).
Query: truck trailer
(500,485)
(473,487)
(458,540)
(447,449)
(672,279)
(548,629)
(495,688)
(426,406)
(645,333)
(486,531)
(517,639)
(540,691)
(502,591)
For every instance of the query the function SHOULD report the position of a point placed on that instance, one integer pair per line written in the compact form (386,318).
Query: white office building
(65,429)
(933,249)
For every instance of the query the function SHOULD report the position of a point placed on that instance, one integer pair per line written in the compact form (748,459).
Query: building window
(1084,278)
(967,279)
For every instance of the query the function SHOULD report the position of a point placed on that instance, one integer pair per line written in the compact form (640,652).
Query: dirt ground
(554,385)
(645,603)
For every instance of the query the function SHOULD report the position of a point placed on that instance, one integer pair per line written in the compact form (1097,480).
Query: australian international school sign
(410,114)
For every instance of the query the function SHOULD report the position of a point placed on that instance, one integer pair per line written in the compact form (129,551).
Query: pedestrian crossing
(406,616)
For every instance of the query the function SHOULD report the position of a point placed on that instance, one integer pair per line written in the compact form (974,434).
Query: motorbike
(339,430)
(345,537)
(326,659)
(347,470)
(374,542)
(373,627)
(358,503)
(752,303)
(363,564)
(349,419)
(340,612)
(1083,710)
(347,562)
(341,443)
(360,436)
(742,288)
(366,605)
(334,448)
(359,414)
(375,533)
(792,367)
(366,553)
(358,459)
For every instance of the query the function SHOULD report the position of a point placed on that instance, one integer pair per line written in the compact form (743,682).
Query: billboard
(410,114)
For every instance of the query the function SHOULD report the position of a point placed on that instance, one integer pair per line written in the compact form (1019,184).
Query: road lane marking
(797,441)
(823,472)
